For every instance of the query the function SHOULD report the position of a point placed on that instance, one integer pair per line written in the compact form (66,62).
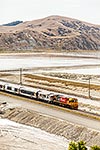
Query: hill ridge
(53,32)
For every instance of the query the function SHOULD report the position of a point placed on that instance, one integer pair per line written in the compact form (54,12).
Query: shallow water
(16,62)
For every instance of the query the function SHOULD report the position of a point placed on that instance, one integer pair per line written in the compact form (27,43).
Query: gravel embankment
(54,126)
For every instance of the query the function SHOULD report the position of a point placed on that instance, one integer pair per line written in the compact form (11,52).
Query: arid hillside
(54,32)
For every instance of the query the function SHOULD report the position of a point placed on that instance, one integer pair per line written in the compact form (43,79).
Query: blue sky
(25,10)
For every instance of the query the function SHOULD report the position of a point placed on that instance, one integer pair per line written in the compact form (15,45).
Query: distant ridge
(53,32)
(14,23)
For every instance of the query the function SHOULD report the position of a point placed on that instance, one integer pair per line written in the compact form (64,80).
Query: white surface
(16,135)
(13,62)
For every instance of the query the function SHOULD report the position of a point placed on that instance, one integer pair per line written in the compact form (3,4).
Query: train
(39,94)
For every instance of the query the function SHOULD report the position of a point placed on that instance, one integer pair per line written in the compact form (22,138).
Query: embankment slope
(53,125)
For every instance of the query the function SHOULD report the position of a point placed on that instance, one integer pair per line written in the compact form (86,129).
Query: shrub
(81,146)
(95,147)
(77,146)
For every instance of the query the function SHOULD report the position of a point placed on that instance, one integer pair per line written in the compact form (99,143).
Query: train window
(43,96)
(15,89)
(26,92)
(75,100)
(1,86)
(34,93)
(48,95)
(9,88)
(29,92)
(72,100)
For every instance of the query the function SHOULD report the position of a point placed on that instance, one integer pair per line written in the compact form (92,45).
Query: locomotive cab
(73,103)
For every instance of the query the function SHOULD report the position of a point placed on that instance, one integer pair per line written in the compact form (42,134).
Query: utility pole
(20,76)
(89,88)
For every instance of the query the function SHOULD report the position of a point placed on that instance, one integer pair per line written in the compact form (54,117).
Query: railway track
(48,83)
(54,106)
(62,81)
(67,86)
(76,88)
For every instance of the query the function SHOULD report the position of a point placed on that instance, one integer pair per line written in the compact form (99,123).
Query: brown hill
(54,32)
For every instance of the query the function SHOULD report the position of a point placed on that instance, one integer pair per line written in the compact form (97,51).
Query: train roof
(9,84)
(45,92)
(13,85)
(29,88)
